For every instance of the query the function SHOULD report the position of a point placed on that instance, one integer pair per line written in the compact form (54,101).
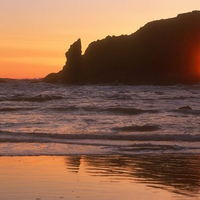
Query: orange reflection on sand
(100,177)
(47,178)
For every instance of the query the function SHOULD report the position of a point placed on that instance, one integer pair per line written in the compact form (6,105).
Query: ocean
(37,118)
(99,141)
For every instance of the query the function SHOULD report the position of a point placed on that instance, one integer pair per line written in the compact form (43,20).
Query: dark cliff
(161,52)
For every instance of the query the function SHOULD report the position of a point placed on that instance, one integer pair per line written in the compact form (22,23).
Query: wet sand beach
(108,177)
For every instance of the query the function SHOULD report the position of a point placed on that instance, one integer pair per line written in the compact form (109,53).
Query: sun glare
(197,62)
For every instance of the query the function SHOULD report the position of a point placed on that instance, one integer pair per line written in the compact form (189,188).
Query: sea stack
(163,52)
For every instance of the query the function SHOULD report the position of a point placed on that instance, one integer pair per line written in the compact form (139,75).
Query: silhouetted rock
(52,78)
(2,80)
(71,70)
(161,52)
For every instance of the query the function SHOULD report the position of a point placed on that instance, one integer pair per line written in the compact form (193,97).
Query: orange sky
(36,34)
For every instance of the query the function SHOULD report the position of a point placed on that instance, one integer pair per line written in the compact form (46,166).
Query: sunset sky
(36,34)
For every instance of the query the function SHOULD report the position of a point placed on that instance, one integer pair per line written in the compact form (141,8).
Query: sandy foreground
(98,178)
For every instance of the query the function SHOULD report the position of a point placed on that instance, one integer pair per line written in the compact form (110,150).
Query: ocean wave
(149,147)
(38,98)
(187,110)
(65,138)
(64,109)
(111,110)
(124,144)
(13,109)
(156,148)
(129,111)
(177,98)
(120,97)
(144,128)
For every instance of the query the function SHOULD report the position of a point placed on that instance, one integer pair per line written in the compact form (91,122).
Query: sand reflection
(105,177)
(179,174)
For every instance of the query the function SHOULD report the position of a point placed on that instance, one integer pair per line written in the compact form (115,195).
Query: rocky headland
(162,52)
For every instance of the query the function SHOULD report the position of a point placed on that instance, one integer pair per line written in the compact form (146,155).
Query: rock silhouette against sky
(162,52)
